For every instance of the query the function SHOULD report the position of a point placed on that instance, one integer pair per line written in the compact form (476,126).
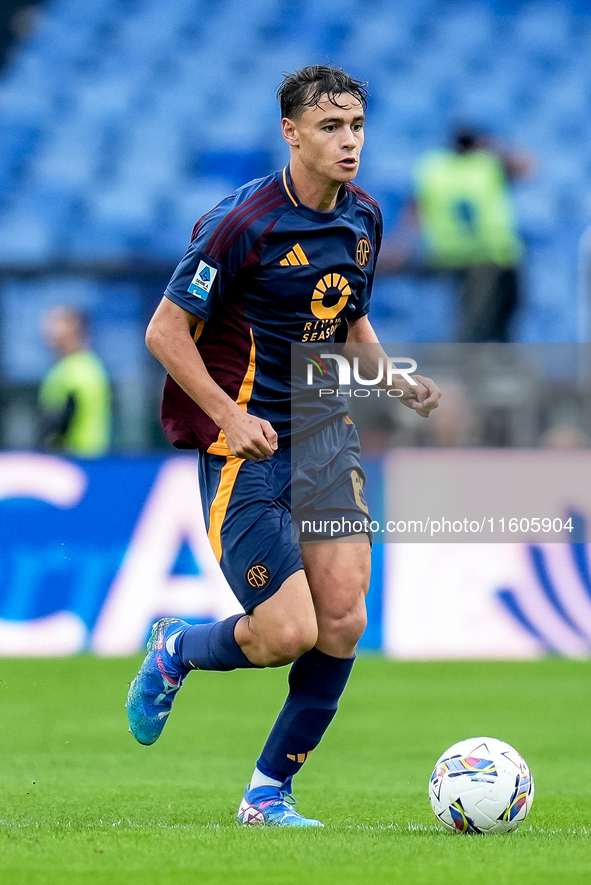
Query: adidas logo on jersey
(295,257)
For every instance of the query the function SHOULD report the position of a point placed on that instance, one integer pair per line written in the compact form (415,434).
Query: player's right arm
(169,338)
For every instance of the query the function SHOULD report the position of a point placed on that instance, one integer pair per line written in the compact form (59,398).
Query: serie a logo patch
(258,575)
(203,280)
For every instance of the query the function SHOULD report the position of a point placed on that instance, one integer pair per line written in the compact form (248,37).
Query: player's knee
(353,625)
(345,626)
(289,641)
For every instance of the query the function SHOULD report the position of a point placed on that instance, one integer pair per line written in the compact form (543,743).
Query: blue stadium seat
(25,238)
(120,116)
(235,165)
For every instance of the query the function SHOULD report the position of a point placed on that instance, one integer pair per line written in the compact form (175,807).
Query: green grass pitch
(81,802)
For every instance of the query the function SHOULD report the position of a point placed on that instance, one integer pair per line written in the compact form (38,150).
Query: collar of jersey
(312,214)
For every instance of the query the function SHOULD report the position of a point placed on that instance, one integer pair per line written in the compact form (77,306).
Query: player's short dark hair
(305,87)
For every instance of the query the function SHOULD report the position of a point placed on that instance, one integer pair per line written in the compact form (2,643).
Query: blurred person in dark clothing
(463,209)
(75,397)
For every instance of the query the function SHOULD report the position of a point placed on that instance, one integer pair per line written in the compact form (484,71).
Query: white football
(481,785)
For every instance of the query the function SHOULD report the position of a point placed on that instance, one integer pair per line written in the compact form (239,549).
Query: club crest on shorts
(363,252)
(258,575)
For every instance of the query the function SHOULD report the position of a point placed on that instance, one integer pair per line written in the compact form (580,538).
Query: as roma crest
(258,575)
(363,252)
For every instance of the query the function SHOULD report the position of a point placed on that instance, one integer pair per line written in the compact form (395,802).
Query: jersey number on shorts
(358,491)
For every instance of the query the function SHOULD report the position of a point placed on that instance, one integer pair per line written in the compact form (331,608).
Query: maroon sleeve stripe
(363,195)
(243,222)
(235,216)
(253,257)
(198,225)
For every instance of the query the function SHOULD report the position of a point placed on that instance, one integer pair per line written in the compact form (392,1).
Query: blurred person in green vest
(463,208)
(75,396)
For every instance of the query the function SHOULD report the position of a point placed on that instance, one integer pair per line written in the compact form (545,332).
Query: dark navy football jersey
(264,272)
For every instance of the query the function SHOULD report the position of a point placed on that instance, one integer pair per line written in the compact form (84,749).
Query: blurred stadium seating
(121,121)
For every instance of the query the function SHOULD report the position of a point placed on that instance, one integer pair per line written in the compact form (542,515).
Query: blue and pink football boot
(152,692)
(272,807)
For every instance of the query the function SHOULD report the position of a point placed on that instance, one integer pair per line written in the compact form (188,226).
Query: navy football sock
(212,647)
(316,682)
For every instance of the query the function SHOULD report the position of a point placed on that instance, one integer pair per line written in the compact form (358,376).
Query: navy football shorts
(257,512)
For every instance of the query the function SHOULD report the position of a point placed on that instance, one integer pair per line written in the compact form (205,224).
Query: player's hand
(250,437)
(422,398)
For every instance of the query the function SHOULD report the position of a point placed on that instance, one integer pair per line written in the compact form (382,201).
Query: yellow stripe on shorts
(219,505)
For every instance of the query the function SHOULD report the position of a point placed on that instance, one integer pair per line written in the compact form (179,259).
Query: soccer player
(286,259)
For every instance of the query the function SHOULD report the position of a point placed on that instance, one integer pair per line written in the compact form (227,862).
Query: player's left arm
(422,397)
